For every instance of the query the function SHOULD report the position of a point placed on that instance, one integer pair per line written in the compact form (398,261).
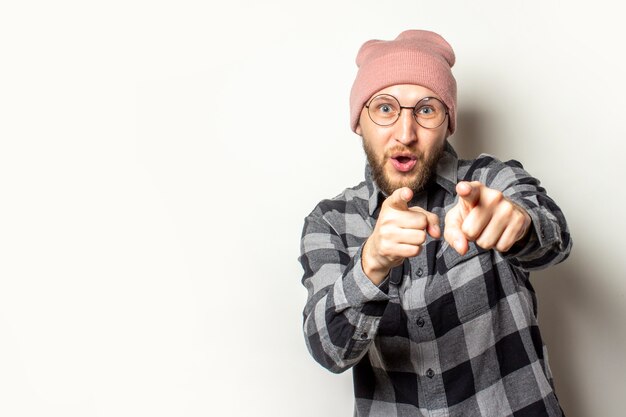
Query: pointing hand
(483,215)
(399,233)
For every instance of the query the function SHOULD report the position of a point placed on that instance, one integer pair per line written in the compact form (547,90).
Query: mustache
(403,150)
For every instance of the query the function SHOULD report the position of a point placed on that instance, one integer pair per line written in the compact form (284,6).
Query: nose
(406,127)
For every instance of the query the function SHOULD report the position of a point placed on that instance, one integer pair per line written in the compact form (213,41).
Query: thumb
(400,198)
(469,192)
(453,233)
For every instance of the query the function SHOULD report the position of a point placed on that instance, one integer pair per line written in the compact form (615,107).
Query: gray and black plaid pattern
(445,334)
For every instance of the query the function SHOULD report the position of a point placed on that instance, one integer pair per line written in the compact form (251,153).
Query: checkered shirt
(445,334)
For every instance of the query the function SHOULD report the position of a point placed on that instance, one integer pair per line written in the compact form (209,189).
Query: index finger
(469,192)
(399,199)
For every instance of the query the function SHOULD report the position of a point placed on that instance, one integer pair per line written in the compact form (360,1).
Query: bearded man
(418,277)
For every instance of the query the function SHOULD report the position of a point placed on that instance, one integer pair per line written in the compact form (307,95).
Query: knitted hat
(415,57)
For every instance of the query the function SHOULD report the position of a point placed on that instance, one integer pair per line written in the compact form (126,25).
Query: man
(418,277)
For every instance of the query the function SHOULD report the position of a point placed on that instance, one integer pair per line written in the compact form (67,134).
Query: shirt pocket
(470,278)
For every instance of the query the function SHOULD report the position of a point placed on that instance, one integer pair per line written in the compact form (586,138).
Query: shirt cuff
(359,290)
(543,232)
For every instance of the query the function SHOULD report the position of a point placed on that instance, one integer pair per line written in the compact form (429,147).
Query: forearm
(549,241)
(344,307)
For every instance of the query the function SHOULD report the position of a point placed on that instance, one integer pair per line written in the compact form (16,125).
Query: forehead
(407,92)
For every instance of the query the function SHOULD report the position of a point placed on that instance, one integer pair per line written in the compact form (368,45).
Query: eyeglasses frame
(367,106)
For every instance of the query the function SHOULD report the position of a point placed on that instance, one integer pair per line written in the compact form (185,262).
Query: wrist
(375,270)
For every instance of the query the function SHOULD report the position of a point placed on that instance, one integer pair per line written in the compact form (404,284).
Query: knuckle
(384,246)
(508,210)
(421,222)
(414,251)
(518,220)
(384,251)
(485,243)
(470,232)
(386,231)
(503,246)
(497,195)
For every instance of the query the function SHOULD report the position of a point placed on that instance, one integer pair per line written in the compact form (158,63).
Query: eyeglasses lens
(429,112)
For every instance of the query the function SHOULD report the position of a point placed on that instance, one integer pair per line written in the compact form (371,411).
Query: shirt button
(430,373)
(420,322)
(419,272)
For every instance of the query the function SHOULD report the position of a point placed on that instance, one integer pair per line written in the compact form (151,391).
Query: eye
(425,110)
(428,112)
(385,108)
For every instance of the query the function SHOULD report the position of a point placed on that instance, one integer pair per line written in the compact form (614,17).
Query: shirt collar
(445,176)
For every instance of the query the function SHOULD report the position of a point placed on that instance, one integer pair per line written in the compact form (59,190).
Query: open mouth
(403,162)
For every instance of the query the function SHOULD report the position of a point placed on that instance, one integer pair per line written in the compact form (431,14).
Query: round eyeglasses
(385,109)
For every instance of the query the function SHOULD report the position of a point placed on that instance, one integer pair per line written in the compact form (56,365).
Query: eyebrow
(418,101)
(368,102)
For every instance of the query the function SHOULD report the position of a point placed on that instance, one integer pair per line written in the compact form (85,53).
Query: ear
(358,129)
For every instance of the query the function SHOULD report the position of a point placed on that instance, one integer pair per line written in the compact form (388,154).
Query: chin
(399,180)
(394,185)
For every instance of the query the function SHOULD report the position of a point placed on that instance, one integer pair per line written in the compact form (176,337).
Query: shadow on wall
(581,318)
(469,140)
(568,298)
(560,290)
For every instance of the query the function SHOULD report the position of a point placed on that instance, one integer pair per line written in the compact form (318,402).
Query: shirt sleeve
(549,241)
(344,307)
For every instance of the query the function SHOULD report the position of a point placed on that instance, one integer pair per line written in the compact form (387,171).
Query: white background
(157,160)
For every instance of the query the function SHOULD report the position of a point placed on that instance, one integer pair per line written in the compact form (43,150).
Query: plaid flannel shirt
(445,334)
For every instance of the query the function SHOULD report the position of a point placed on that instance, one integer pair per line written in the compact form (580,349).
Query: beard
(416,179)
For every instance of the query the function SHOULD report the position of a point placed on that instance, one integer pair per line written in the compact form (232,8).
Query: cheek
(373,136)
(434,140)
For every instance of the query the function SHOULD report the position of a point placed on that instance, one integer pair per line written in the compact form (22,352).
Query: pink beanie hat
(415,57)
